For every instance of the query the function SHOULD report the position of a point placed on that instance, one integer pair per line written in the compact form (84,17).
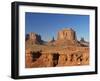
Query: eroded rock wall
(66,58)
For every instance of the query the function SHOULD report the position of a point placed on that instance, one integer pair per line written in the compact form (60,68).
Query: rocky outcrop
(34,38)
(70,56)
(66,50)
(67,37)
(83,42)
(66,34)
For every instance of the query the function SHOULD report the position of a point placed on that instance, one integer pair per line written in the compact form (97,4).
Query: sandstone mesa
(66,50)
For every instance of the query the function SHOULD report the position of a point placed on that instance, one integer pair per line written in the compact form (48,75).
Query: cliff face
(66,34)
(65,51)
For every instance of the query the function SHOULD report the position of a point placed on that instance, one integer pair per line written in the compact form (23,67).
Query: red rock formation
(65,51)
(34,38)
(66,34)
(67,37)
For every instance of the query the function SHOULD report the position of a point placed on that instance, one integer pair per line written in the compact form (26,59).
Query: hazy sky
(47,25)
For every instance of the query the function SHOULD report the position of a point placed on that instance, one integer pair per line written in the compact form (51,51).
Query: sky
(47,24)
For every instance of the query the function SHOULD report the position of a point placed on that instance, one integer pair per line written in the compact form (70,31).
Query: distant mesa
(34,38)
(83,42)
(53,40)
(65,36)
